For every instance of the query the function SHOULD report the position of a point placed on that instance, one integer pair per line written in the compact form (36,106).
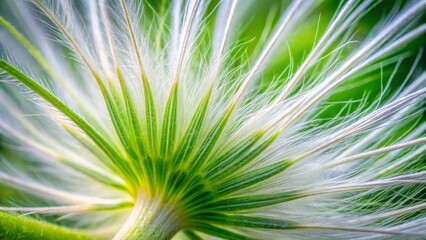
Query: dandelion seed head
(143,120)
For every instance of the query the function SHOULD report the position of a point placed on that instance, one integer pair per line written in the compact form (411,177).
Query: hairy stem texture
(149,219)
(14,227)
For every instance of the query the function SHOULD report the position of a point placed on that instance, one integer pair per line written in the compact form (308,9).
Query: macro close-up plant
(212,119)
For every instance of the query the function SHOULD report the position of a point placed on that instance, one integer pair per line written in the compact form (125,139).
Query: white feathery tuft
(168,119)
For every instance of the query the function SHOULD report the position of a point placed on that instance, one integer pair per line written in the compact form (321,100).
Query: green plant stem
(149,220)
(18,227)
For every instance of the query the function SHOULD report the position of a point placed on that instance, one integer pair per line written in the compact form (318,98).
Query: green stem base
(149,220)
